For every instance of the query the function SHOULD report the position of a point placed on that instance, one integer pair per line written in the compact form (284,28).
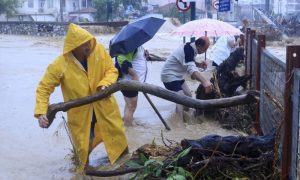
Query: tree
(8,7)
(135,3)
(101,6)
(106,8)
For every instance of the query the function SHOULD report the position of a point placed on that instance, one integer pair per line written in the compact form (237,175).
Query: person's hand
(136,78)
(202,65)
(238,41)
(102,88)
(43,120)
(208,87)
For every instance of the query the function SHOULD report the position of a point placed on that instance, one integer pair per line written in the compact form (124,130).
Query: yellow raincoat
(75,83)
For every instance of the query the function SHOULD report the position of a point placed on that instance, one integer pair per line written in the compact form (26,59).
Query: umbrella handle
(205,51)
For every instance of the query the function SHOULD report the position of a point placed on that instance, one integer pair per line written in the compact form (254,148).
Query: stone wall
(56,28)
(34,28)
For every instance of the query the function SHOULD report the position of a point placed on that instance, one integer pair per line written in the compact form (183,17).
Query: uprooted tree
(211,157)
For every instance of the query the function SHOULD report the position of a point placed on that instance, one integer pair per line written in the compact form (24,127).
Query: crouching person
(83,69)
(182,61)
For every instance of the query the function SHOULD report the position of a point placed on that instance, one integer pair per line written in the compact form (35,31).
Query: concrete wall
(34,28)
(55,28)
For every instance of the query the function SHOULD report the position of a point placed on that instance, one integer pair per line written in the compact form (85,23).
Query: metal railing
(279,85)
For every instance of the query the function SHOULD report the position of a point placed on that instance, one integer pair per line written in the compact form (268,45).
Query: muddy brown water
(148,128)
(45,156)
(143,133)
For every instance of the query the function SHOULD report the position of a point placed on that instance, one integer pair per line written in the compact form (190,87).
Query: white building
(286,7)
(54,10)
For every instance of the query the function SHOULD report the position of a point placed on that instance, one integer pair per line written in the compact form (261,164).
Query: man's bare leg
(179,107)
(130,107)
(186,91)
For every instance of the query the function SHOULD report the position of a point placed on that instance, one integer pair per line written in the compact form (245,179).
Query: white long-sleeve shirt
(221,50)
(181,61)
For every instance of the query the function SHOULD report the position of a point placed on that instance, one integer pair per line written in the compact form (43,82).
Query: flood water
(29,152)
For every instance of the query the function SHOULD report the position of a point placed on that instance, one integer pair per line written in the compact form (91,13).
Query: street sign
(215,4)
(183,5)
(224,5)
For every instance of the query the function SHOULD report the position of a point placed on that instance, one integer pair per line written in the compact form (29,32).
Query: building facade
(290,7)
(54,10)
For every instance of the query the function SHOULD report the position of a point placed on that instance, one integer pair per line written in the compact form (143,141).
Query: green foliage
(135,3)
(176,177)
(183,153)
(133,164)
(155,168)
(179,173)
(143,158)
(8,7)
(101,6)
(151,168)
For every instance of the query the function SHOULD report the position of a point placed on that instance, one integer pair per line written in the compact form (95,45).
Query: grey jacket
(181,61)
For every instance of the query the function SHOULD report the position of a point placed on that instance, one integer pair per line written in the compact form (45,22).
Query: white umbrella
(206,27)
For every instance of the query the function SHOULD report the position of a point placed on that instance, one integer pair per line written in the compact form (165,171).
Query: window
(50,3)
(63,3)
(41,3)
(30,3)
(83,3)
(89,3)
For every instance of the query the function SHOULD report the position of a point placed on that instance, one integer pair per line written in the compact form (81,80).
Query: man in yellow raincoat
(84,68)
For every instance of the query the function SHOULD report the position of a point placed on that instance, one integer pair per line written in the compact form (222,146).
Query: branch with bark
(153,57)
(111,173)
(250,97)
(210,157)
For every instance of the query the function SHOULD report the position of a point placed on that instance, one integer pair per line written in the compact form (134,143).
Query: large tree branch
(250,97)
(111,173)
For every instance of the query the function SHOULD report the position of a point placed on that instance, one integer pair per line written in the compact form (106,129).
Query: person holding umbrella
(83,69)
(181,61)
(132,66)
(126,45)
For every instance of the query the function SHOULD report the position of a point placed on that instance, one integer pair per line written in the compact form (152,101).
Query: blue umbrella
(134,35)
